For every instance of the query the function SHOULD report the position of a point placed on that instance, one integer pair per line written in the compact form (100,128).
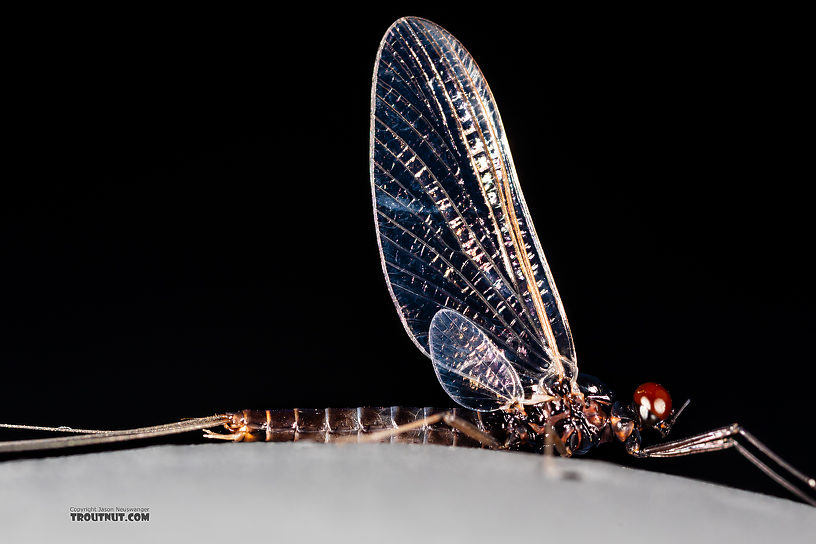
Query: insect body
(466,271)
(471,285)
(460,253)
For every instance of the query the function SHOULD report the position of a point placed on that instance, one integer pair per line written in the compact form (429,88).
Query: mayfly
(465,269)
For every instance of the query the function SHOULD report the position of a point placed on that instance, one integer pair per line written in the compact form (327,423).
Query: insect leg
(699,447)
(772,474)
(470,430)
(379,436)
(725,438)
(552,440)
(779,461)
(682,446)
(448,418)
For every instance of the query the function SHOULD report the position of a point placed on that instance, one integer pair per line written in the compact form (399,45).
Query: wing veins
(421,116)
(453,206)
(543,317)
(506,195)
(459,273)
(498,230)
(412,85)
(526,324)
(498,342)
(443,117)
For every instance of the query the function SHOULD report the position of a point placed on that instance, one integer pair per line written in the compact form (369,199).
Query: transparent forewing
(471,369)
(453,227)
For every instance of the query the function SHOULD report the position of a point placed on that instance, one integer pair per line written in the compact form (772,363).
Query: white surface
(385,493)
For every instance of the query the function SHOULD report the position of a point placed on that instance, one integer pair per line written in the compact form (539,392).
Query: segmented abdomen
(329,424)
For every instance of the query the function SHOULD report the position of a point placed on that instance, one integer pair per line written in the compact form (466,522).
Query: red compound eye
(653,400)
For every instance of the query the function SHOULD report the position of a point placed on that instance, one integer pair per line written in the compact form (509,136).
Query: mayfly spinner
(467,274)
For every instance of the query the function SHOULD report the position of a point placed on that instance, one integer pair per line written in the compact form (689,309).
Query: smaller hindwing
(472,370)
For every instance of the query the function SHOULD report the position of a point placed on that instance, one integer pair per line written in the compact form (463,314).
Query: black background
(186,226)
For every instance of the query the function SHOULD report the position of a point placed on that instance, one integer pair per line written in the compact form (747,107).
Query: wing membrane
(471,369)
(453,228)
